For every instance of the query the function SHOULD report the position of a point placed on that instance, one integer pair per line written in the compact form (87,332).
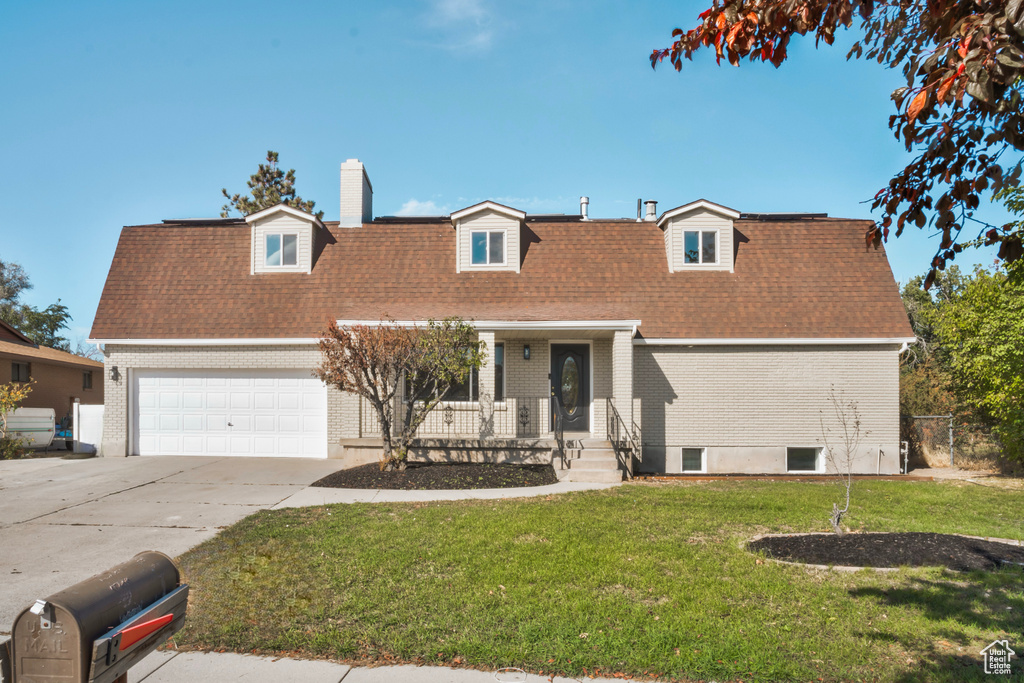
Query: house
(702,339)
(61,378)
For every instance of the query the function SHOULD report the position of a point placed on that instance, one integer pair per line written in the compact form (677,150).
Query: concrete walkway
(184,667)
(312,495)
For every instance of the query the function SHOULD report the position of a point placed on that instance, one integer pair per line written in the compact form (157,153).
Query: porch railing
(514,418)
(627,440)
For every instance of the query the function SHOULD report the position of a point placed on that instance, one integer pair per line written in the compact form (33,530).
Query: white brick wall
(356,195)
(342,409)
(762,396)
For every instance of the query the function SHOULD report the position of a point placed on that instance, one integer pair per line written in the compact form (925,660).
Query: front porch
(545,395)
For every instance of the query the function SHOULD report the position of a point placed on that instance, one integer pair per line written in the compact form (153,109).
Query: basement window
(487,247)
(802,459)
(700,246)
(282,250)
(693,460)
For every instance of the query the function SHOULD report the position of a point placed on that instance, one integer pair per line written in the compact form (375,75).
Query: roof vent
(639,209)
(652,210)
(584,203)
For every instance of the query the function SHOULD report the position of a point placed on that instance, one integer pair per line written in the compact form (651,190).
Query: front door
(570,385)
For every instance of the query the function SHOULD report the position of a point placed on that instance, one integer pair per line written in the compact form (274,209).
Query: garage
(229,412)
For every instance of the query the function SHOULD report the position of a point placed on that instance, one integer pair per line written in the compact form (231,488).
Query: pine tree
(269,186)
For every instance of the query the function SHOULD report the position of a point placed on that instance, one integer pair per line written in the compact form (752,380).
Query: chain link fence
(939,441)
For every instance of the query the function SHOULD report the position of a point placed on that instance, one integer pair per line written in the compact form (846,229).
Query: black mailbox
(96,630)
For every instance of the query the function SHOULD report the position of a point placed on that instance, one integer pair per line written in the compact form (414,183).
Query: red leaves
(944,88)
(917,104)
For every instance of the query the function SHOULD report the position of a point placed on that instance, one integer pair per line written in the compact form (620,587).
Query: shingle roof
(792,279)
(45,354)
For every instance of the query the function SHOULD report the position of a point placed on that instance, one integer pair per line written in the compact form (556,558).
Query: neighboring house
(702,339)
(61,378)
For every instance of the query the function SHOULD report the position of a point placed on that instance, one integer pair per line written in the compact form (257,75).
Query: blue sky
(122,113)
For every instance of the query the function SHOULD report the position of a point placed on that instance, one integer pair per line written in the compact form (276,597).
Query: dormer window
(699,236)
(700,246)
(487,237)
(282,250)
(283,240)
(488,247)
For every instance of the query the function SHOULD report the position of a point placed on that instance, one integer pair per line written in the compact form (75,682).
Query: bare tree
(842,438)
(404,372)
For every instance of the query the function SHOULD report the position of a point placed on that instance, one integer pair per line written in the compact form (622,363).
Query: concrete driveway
(62,521)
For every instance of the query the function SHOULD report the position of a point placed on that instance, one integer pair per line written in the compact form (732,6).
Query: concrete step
(594,463)
(594,476)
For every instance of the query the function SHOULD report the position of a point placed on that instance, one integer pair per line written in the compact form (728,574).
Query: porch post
(622,375)
(486,387)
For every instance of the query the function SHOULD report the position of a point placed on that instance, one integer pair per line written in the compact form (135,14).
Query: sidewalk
(184,667)
(314,495)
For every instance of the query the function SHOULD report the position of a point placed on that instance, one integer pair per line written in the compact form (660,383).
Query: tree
(11,395)
(981,330)
(269,186)
(960,110)
(842,441)
(42,327)
(404,372)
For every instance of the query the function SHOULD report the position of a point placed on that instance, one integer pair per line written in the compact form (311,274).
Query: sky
(127,113)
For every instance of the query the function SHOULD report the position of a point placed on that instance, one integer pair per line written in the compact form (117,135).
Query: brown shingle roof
(792,279)
(32,352)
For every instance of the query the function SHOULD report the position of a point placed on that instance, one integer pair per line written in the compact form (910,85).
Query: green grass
(644,580)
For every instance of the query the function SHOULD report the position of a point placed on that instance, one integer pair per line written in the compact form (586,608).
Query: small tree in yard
(387,362)
(10,396)
(842,442)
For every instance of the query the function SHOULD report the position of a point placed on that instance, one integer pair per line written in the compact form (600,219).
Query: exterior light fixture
(526,352)
(114,374)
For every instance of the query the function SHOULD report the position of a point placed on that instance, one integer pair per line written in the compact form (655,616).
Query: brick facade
(746,404)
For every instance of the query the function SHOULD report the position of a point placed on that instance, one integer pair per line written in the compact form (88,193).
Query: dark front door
(570,385)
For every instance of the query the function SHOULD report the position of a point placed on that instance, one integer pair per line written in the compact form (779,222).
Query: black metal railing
(627,440)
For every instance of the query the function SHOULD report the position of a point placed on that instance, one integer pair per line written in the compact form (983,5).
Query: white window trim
(703,460)
(488,232)
(700,250)
(818,463)
(281,235)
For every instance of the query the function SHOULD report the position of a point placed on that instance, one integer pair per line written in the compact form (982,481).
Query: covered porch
(548,389)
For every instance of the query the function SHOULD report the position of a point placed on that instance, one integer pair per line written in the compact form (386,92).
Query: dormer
(487,237)
(282,240)
(699,236)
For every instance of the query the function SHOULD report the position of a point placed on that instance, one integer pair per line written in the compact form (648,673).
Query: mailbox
(96,630)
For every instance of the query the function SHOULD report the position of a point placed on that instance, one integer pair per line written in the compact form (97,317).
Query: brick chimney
(356,195)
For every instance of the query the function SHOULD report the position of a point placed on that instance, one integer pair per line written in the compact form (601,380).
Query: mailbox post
(96,630)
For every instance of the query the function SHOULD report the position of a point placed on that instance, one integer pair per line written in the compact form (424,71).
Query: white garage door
(230,412)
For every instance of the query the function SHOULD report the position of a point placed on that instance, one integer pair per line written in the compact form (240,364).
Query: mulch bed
(441,476)
(911,549)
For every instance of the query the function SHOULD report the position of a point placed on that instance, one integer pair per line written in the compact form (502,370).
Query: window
(802,459)
(21,372)
(499,372)
(469,390)
(87,379)
(488,247)
(693,460)
(282,250)
(700,246)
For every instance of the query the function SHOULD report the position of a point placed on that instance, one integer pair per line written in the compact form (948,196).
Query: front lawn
(644,580)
